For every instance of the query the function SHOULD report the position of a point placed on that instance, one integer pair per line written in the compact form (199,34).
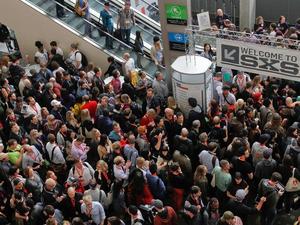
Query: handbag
(78,10)
(293,184)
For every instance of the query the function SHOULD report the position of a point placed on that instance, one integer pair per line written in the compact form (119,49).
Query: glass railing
(149,9)
(147,31)
(104,40)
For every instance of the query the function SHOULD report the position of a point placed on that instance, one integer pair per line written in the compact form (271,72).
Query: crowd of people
(279,34)
(78,150)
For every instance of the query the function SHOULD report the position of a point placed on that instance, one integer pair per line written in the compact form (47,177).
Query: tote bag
(293,184)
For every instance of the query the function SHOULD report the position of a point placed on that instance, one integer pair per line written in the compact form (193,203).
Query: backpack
(84,61)
(295,156)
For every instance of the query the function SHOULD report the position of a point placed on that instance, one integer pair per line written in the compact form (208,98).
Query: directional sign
(259,59)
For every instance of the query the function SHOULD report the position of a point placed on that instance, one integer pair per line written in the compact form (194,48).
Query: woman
(102,176)
(282,26)
(201,181)
(259,26)
(36,141)
(207,52)
(173,105)
(92,155)
(116,82)
(256,85)
(72,122)
(157,52)
(139,48)
(79,149)
(213,109)
(104,147)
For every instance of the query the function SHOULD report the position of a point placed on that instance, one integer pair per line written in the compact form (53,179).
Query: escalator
(98,36)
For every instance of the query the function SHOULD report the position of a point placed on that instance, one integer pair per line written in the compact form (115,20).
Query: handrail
(242,36)
(117,14)
(98,28)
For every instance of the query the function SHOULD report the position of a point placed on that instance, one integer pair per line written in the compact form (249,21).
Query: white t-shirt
(76,58)
(129,66)
(42,56)
(59,51)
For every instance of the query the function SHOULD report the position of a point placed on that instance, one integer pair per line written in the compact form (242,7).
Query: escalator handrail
(97,27)
(140,16)
(135,24)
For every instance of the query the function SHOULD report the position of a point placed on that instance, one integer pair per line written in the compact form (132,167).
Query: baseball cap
(157,204)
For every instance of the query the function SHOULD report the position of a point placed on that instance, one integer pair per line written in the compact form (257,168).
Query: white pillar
(247,14)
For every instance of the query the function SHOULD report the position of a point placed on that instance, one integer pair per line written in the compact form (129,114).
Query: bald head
(184,132)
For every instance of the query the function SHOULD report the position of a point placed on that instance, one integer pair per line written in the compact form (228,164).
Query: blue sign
(177,37)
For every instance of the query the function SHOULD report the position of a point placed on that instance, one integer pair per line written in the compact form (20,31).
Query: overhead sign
(203,21)
(259,59)
(176,14)
(177,41)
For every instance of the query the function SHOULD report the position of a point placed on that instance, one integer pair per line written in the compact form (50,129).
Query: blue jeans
(126,35)
(88,26)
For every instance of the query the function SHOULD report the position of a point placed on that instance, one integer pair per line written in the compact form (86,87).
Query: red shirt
(92,107)
(145,120)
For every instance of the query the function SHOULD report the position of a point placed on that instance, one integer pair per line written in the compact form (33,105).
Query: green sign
(176,14)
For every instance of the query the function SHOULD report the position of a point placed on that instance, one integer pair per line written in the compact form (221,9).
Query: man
(156,185)
(217,86)
(165,215)
(97,80)
(220,18)
(71,205)
(126,21)
(241,80)
(241,165)
(227,98)
(51,194)
(272,190)
(59,51)
(129,64)
(106,17)
(130,152)
(238,208)
(159,86)
(222,180)
(259,147)
(152,102)
(266,112)
(92,211)
(208,157)
(266,166)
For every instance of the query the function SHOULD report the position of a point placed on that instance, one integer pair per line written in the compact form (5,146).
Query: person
(282,26)
(75,56)
(207,52)
(159,86)
(106,17)
(272,191)
(229,218)
(71,205)
(165,216)
(41,56)
(259,26)
(60,11)
(92,211)
(240,209)
(129,65)
(220,18)
(136,216)
(126,20)
(139,48)
(156,52)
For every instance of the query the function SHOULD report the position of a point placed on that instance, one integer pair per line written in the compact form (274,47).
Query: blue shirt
(97,213)
(106,19)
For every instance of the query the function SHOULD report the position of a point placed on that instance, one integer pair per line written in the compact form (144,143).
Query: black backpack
(84,60)
(295,156)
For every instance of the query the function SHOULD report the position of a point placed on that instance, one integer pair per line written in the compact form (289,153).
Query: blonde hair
(199,173)
(118,160)
(85,115)
(172,102)
(103,165)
